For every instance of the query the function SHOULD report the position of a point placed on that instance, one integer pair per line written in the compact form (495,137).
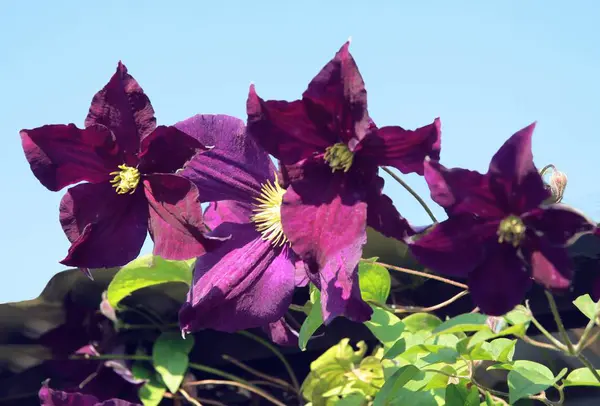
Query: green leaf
(503,349)
(170,358)
(152,392)
(459,395)
(489,401)
(400,378)
(528,378)
(374,281)
(587,306)
(385,326)
(519,315)
(396,349)
(581,377)
(146,271)
(354,399)
(421,322)
(462,323)
(313,321)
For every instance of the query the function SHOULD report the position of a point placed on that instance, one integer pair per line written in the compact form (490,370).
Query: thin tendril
(411,191)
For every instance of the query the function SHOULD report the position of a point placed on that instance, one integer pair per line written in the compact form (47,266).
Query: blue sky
(486,68)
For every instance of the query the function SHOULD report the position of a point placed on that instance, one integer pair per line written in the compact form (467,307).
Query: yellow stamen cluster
(339,157)
(267,215)
(511,230)
(125,180)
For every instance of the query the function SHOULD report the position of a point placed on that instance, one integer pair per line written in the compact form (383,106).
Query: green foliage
(375,282)
(581,377)
(145,271)
(313,321)
(343,373)
(587,306)
(460,395)
(152,391)
(528,378)
(170,357)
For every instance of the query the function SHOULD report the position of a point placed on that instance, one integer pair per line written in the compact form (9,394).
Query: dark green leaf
(400,378)
(145,271)
(374,281)
(396,349)
(421,322)
(170,358)
(385,326)
(528,378)
(459,395)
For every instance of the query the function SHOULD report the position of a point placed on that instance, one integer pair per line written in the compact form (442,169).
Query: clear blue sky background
(486,68)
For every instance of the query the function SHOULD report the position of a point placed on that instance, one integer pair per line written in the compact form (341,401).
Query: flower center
(267,211)
(339,157)
(511,230)
(125,180)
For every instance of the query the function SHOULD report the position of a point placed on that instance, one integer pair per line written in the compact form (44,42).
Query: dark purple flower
(107,218)
(51,397)
(499,234)
(248,280)
(331,151)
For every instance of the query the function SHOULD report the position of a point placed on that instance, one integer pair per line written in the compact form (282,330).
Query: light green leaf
(463,322)
(355,399)
(581,377)
(459,395)
(528,378)
(421,322)
(400,378)
(503,349)
(519,315)
(170,358)
(313,321)
(396,349)
(152,391)
(374,281)
(146,271)
(587,306)
(385,326)
(489,401)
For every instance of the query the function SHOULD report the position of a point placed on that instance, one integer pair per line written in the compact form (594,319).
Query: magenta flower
(331,150)
(51,397)
(248,280)
(499,234)
(129,165)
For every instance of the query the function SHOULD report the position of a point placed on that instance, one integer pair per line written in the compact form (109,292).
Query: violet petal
(454,246)
(461,191)
(336,99)
(327,229)
(284,129)
(51,397)
(514,178)
(176,222)
(61,155)
(551,266)
(123,107)
(500,282)
(383,216)
(281,333)
(227,211)
(167,150)
(106,229)
(403,149)
(244,283)
(559,224)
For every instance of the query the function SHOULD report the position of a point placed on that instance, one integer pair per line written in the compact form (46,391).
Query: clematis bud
(557,183)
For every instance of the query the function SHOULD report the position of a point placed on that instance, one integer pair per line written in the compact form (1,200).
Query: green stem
(588,330)
(278,354)
(192,365)
(423,274)
(561,328)
(560,346)
(589,366)
(411,191)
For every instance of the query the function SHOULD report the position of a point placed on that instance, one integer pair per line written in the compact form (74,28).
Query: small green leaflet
(170,358)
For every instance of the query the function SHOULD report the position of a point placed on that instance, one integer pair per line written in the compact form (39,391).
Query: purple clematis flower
(249,279)
(51,397)
(331,151)
(499,234)
(120,148)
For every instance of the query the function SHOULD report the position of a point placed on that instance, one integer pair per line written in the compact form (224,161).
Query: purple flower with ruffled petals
(331,151)
(499,234)
(129,168)
(51,397)
(249,279)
